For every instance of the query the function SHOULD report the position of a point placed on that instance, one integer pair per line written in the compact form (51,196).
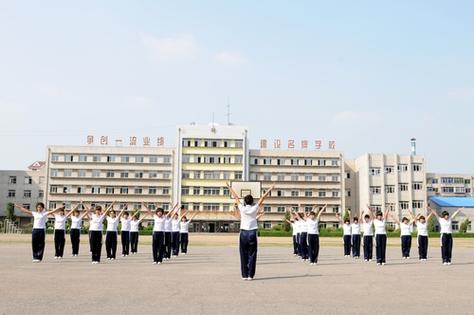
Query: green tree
(464,226)
(432,224)
(347,216)
(10,213)
(286,225)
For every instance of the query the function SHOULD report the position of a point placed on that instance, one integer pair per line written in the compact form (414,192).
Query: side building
(391,181)
(450,185)
(303,180)
(207,157)
(23,187)
(103,174)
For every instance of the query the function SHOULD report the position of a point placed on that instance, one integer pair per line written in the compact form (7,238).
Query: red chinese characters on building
(146,141)
(104,140)
(332,145)
(304,144)
(318,144)
(160,141)
(291,144)
(90,140)
(133,140)
(263,144)
(277,144)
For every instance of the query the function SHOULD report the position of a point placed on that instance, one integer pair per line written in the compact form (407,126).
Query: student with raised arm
(312,222)
(294,233)
(368,229)
(175,222)
(446,225)
(406,228)
(111,234)
(355,234)
(38,235)
(134,231)
(75,231)
(125,232)
(422,235)
(381,236)
(184,232)
(168,232)
(303,235)
(347,234)
(158,238)
(96,225)
(248,244)
(60,219)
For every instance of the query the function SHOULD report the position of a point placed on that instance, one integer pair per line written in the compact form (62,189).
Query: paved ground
(207,281)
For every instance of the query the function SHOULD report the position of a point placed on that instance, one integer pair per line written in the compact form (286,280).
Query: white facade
(450,185)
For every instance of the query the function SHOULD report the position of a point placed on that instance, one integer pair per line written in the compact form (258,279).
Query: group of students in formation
(170,231)
(305,228)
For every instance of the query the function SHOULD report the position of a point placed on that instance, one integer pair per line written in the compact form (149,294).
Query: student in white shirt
(446,226)
(175,222)
(248,244)
(422,235)
(135,231)
(368,229)
(297,230)
(125,232)
(158,234)
(355,233)
(312,226)
(40,217)
(292,223)
(347,234)
(75,230)
(184,232)
(380,237)
(60,219)
(168,232)
(406,228)
(111,234)
(303,236)
(96,226)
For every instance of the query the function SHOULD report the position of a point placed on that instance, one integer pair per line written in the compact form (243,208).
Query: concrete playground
(207,281)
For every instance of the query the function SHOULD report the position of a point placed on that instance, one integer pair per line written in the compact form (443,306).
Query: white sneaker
(249,279)
(60,257)
(159,263)
(55,257)
(445,264)
(379,264)
(112,259)
(155,263)
(123,255)
(108,258)
(449,264)
(383,264)
(36,260)
(244,279)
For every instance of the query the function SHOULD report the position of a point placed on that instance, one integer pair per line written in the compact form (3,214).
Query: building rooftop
(455,202)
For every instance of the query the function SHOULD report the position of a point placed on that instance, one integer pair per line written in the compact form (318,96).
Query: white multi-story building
(450,185)
(23,187)
(391,181)
(103,174)
(207,157)
(303,180)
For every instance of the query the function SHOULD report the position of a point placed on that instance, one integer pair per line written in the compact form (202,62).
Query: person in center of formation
(312,223)
(168,232)
(158,237)
(96,225)
(184,232)
(134,231)
(38,234)
(380,236)
(355,233)
(111,234)
(75,231)
(175,222)
(446,227)
(421,223)
(303,235)
(347,234)
(60,219)
(406,228)
(248,243)
(125,232)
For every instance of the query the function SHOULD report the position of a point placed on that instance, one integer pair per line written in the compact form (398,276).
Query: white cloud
(230,58)
(357,117)
(462,94)
(179,47)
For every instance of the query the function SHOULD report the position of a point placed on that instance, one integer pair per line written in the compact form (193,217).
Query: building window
(279,193)
(185,191)
(11,194)
(95,190)
(390,207)
(308,193)
(321,194)
(402,168)
(267,177)
(417,204)
(67,173)
(211,191)
(196,191)
(389,169)
(40,193)
(335,178)
(389,189)
(238,175)
(185,175)
(123,174)
(321,162)
(81,190)
(123,190)
(294,178)
(267,209)
(295,193)
(82,158)
(109,190)
(153,159)
(139,159)
(403,187)
(28,180)
(124,159)
(417,186)
(152,191)
(375,190)
(12,180)
(348,193)
(166,191)
(68,158)
(139,175)
(95,173)
(81,173)
(335,163)
(348,175)
(211,207)
(404,205)
(54,158)
(281,209)
(53,189)
(417,167)
(321,178)
(335,194)
(27,193)
(308,177)
(110,158)
(153,175)
(375,171)
(96,158)
(138,191)
(267,225)
(110,174)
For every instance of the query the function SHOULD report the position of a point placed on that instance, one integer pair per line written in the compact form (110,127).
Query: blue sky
(368,74)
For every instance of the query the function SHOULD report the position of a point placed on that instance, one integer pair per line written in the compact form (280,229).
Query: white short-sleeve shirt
(355,229)
(184,227)
(368,228)
(134,225)
(406,229)
(175,225)
(96,223)
(159,224)
(294,229)
(446,226)
(379,226)
(248,217)
(347,229)
(422,228)
(125,224)
(312,226)
(112,224)
(60,222)
(167,224)
(76,222)
(40,219)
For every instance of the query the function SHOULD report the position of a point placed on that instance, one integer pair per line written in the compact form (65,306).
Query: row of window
(26,194)
(109,190)
(110,174)
(390,189)
(213,143)
(295,177)
(403,205)
(99,158)
(401,168)
(27,180)
(206,191)
(452,180)
(212,159)
(131,205)
(217,175)
(294,162)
